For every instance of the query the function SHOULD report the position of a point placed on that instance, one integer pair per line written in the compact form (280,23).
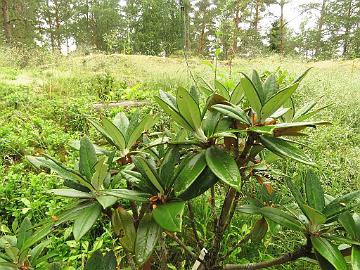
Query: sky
(291,13)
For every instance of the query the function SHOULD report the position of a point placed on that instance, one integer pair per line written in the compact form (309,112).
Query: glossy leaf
(127,194)
(222,89)
(315,216)
(284,149)
(355,258)
(145,124)
(106,200)
(71,193)
(169,216)
(189,172)
(58,168)
(234,112)
(88,158)
(329,252)
(237,94)
(255,78)
(270,86)
(86,220)
(123,226)
(147,236)
(167,168)
(314,191)
(148,171)
(101,172)
(223,165)
(251,94)
(341,204)
(188,108)
(282,218)
(175,115)
(205,181)
(277,100)
(347,221)
(114,133)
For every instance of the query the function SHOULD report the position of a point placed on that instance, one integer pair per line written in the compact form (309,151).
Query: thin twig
(304,251)
(182,244)
(238,244)
(213,206)
(199,243)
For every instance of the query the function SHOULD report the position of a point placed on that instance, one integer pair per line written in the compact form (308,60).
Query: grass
(44,107)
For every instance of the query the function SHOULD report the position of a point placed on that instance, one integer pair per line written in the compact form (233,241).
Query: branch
(182,244)
(304,251)
(193,226)
(240,243)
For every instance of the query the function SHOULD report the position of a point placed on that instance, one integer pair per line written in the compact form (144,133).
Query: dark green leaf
(189,172)
(251,94)
(86,220)
(188,108)
(145,124)
(167,168)
(237,94)
(60,169)
(284,149)
(95,262)
(127,194)
(223,165)
(24,232)
(276,101)
(341,204)
(314,191)
(205,181)
(222,89)
(234,112)
(169,216)
(147,236)
(38,235)
(270,86)
(282,218)
(329,252)
(88,158)
(355,258)
(101,172)
(315,216)
(349,225)
(148,171)
(114,133)
(106,201)
(175,115)
(123,226)
(255,78)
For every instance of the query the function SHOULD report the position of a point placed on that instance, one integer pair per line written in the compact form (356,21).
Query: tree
(6,20)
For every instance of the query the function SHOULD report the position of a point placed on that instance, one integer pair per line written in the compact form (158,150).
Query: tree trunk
(57,25)
(320,27)
(202,33)
(6,22)
(257,14)
(50,24)
(282,29)
(237,20)
(347,30)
